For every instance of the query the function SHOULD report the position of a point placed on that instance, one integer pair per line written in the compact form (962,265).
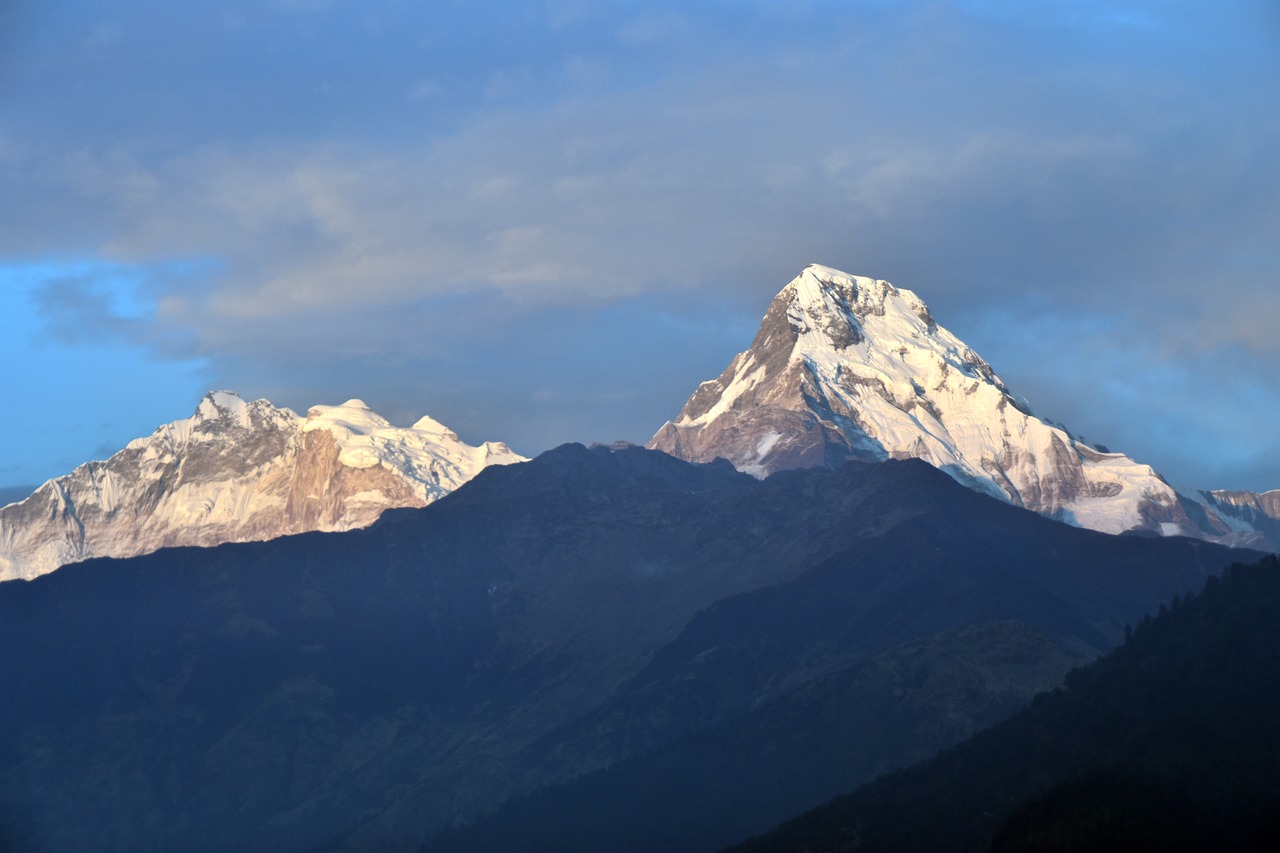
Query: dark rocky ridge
(722,782)
(1168,744)
(362,690)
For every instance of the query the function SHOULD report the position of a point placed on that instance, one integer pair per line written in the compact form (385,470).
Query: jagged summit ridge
(849,367)
(237,471)
(1255,516)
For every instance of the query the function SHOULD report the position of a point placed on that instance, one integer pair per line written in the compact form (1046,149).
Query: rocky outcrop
(1254,515)
(234,472)
(846,367)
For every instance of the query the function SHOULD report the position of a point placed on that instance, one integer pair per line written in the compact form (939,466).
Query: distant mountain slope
(900,646)
(234,472)
(723,782)
(362,690)
(1170,743)
(1256,513)
(847,367)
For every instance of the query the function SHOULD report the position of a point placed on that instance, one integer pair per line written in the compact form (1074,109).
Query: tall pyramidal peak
(238,471)
(847,367)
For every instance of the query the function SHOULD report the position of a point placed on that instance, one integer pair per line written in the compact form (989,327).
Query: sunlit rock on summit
(847,367)
(237,471)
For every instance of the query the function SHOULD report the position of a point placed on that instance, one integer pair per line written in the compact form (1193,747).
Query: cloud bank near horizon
(550,223)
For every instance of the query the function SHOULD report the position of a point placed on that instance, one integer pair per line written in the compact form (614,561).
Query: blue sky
(544,222)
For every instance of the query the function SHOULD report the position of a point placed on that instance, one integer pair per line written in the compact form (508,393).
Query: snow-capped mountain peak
(427,455)
(222,404)
(430,426)
(352,418)
(850,367)
(237,471)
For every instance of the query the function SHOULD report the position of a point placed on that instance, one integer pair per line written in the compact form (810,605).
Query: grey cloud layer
(1039,158)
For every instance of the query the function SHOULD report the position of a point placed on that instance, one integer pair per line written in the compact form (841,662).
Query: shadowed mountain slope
(1170,743)
(547,620)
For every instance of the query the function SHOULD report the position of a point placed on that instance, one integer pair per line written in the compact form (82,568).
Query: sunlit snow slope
(846,367)
(237,471)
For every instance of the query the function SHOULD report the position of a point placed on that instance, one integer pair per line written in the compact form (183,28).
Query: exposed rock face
(845,367)
(1255,514)
(236,472)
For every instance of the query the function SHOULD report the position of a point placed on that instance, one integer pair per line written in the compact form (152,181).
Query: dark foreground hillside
(1170,743)
(589,610)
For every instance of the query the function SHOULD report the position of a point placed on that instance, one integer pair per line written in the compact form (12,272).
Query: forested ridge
(1170,742)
